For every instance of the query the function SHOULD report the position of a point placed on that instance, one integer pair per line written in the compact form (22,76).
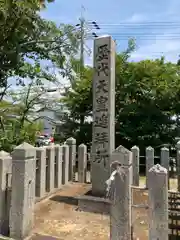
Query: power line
(144,36)
(135,23)
(140,23)
(141,27)
(124,31)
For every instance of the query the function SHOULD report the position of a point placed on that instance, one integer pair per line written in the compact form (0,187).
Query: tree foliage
(26,36)
(147,99)
(33,53)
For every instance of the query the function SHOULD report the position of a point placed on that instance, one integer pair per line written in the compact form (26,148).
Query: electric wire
(142,31)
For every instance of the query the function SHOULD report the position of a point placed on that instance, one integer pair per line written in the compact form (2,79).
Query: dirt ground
(58,218)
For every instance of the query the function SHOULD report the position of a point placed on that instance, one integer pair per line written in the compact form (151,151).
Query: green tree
(13,135)
(147,96)
(78,100)
(17,115)
(30,49)
(27,37)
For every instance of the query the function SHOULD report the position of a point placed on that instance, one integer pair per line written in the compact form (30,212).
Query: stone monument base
(95,204)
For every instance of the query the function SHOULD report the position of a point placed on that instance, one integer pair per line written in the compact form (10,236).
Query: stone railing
(82,172)
(31,174)
(171,164)
(119,186)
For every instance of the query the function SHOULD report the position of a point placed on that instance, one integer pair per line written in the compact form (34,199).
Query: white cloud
(137,17)
(165,40)
(158,40)
(168,48)
(165,44)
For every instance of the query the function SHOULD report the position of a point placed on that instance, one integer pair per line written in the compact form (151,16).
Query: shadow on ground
(44,237)
(65,199)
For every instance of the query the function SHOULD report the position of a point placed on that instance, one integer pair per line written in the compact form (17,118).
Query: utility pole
(81,26)
(82,22)
(84,32)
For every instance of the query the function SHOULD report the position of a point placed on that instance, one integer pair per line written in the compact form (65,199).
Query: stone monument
(103,134)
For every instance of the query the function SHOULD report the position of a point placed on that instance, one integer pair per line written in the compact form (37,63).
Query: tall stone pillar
(103,136)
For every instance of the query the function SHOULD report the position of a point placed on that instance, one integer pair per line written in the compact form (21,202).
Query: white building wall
(48,125)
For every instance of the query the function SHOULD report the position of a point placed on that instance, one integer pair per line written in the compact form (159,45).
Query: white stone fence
(119,193)
(28,175)
(164,158)
(83,172)
(84,164)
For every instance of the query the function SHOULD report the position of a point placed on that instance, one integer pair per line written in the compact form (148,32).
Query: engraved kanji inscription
(103,67)
(101,137)
(101,104)
(101,147)
(101,150)
(101,159)
(158,205)
(102,86)
(102,53)
(101,121)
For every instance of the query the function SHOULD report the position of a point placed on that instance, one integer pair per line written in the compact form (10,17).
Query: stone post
(5,191)
(50,163)
(149,161)
(82,163)
(165,160)
(41,172)
(135,165)
(90,164)
(58,166)
(65,164)
(124,157)
(23,191)
(71,142)
(158,203)
(103,130)
(178,166)
(119,192)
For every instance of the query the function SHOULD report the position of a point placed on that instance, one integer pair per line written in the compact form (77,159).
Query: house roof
(49,119)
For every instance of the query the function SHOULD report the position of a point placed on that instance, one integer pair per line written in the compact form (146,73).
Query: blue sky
(155,24)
